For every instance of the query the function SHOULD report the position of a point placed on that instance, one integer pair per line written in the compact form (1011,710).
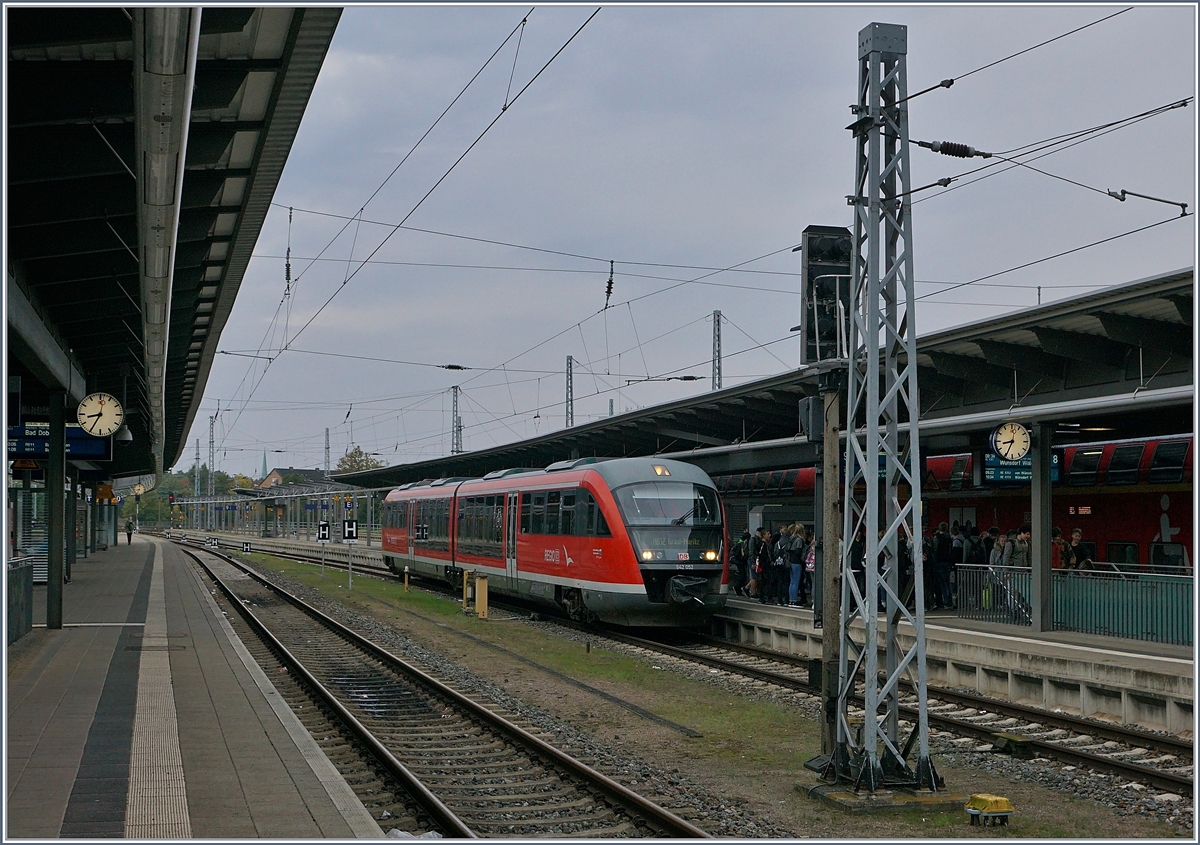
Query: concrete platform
(1125,681)
(145,717)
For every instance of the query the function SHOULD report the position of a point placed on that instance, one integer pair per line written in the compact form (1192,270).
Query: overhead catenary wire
(374,193)
(946,83)
(1051,257)
(1055,144)
(444,176)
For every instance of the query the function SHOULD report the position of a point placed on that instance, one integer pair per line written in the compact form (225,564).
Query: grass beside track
(751,751)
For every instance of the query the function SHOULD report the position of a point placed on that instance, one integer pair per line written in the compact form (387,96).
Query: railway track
(460,768)
(1159,760)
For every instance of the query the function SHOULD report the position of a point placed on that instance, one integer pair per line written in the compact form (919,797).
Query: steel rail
(1164,780)
(1167,744)
(672,824)
(430,803)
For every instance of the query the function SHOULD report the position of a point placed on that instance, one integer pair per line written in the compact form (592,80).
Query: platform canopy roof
(1113,363)
(144,147)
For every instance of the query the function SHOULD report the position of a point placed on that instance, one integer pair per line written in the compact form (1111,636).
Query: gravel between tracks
(671,790)
(691,800)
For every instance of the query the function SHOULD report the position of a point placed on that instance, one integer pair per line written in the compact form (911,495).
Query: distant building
(275,477)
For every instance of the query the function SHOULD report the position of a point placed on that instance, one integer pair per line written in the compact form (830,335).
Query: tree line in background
(155,506)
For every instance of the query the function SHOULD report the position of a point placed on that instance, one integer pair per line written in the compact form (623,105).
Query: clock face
(1011,441)
(100,414)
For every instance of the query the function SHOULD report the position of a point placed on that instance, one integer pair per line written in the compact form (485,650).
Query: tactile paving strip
(157,803)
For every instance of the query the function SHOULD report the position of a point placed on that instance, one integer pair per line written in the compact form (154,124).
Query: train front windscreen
(672,522)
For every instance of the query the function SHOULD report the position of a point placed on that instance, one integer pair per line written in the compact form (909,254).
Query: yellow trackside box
(989,809)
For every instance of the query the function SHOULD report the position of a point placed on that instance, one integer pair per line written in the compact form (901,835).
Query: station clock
(100,414)
(1011,441)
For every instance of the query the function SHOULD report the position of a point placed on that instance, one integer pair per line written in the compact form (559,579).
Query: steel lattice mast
(882,415)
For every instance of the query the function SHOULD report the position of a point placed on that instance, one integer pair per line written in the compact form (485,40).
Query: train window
(568,512)
(1168,554)
(1166,467)
(1084,467)
(668,503)
(526,509)
(1124,463)
(958,473)
(553,503)
(537,522)
(601,525)
(1122,553)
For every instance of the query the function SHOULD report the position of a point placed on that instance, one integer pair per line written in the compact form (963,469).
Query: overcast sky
(673,141)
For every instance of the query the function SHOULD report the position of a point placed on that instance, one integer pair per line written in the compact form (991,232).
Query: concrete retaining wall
(1154,691)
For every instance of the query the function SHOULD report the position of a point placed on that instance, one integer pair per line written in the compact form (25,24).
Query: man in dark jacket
(738,560)
(942,595)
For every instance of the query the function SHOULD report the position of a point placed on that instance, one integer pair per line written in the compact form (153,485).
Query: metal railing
(1128,604)
(995,593)
(1125,602)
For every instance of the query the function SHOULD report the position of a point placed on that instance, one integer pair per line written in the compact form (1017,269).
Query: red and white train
(1131,499)
(628,541)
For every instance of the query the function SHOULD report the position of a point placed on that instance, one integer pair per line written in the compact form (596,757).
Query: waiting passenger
(1079,550)
(1017,552)
(996,557)
(1061,555)
(795,559)
(762,564)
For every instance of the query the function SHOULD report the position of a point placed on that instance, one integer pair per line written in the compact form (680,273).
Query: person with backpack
(738,559)
(810,568)
(795,563)
(762,564)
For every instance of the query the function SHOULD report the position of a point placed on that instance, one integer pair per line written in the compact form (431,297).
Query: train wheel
(572,602)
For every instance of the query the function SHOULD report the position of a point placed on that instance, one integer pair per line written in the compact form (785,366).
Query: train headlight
(710,555)
(647,555)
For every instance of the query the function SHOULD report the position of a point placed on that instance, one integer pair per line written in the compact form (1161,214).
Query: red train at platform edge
(1131,499)
(628,541)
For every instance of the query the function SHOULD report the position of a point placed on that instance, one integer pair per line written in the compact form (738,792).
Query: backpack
(810,559)
(973,552)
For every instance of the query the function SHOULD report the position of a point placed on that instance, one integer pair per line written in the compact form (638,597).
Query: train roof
(616,472)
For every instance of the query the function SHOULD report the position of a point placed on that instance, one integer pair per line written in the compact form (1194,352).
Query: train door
(510,541)
(412,529)
(963,516)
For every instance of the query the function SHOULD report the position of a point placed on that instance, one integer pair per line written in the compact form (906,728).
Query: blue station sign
(32,440)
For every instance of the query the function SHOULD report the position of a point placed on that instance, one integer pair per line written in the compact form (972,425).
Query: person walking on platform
(129,532)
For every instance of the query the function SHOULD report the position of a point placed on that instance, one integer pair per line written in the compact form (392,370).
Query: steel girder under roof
(103,211)
(1097,357)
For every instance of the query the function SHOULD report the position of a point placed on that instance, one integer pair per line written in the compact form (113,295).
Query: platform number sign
(322,532)
(349,504)
(246,548)
(350,531)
